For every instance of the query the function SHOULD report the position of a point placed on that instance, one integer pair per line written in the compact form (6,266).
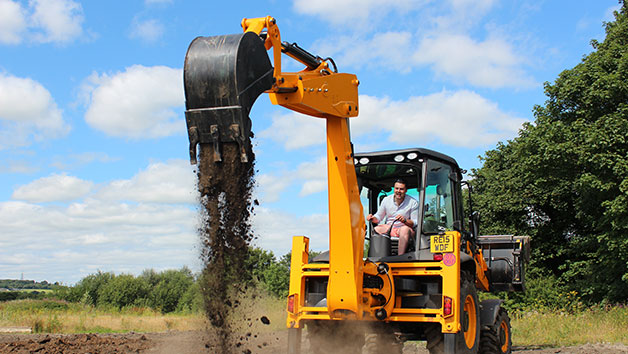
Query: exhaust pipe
(222,77)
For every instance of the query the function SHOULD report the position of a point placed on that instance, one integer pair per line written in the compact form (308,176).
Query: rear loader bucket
(223,76)
(506,257)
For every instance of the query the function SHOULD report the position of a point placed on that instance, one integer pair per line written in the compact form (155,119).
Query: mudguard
(488,311)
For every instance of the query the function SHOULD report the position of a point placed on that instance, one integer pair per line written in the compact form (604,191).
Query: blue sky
(94,171)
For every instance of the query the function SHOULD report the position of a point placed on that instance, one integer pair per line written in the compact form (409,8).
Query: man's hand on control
(372,218)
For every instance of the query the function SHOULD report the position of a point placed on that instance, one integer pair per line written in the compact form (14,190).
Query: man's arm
(380,214)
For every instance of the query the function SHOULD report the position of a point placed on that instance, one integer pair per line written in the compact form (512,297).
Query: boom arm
(319,92)
(224,75)
(316,90)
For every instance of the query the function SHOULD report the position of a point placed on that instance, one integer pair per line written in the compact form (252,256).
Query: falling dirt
(225,189)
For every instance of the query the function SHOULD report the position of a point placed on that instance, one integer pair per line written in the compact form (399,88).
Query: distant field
(36,290)
(48,316)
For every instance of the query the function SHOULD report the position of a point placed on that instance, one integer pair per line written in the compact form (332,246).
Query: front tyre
(497,338)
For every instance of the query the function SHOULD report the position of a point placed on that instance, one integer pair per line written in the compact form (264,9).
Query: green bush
(543,293)
(169,289)
(123,291)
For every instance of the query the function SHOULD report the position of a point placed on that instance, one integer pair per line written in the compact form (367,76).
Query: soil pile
(225,189)
(75,344)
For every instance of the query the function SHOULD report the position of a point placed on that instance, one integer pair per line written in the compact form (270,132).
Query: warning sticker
(449,259)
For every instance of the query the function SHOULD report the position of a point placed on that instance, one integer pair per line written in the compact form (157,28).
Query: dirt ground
(194,342)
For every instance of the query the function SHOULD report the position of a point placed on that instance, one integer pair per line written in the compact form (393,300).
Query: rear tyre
(467,340)
(497,339)
(382,342)
(330,337)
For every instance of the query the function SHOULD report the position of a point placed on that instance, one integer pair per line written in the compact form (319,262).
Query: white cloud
(490,63)
(54,188)
(60,20)
(17,166)
(95,227)
(438,37)
(348,11)
(171,182)
(269,187)
(313,175)
(141,102)
(71,161)
(465,12)
(310,175)
(12,22)
(274,229)
(461,118)
(42,21)
(24,121)
(67,243)
(148,31)
(457,57)
(295,130)
(458,118)
(391,50)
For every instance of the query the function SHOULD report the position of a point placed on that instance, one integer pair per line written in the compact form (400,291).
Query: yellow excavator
(361,295)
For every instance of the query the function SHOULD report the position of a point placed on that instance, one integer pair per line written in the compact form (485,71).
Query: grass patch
(49,316)
(563,329)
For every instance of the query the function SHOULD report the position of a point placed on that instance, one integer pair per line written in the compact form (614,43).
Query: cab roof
(388,155)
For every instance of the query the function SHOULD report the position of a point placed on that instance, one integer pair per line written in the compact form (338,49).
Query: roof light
(399,158)
(412,156)
(355,161)
(364,160)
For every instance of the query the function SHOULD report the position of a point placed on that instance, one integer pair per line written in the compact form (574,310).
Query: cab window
(438,208)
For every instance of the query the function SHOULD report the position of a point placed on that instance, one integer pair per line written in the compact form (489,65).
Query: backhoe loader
(350,299)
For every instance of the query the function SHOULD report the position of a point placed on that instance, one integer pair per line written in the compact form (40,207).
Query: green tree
(87,289)
(564,179)
(258,261)
(124,290)
(170,288)
(277,277)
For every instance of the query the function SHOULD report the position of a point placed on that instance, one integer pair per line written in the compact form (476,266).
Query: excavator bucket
(223,76)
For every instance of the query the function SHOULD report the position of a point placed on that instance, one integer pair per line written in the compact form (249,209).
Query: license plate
(442,243)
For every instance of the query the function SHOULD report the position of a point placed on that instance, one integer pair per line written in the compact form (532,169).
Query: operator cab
(432,178)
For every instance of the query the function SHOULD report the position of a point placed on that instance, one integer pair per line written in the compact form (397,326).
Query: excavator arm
(224,75)
(316,90)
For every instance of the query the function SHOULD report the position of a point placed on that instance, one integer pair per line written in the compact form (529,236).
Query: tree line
(166,291)
(25,284)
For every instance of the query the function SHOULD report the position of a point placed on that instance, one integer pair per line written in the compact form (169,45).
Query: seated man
(400,213)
